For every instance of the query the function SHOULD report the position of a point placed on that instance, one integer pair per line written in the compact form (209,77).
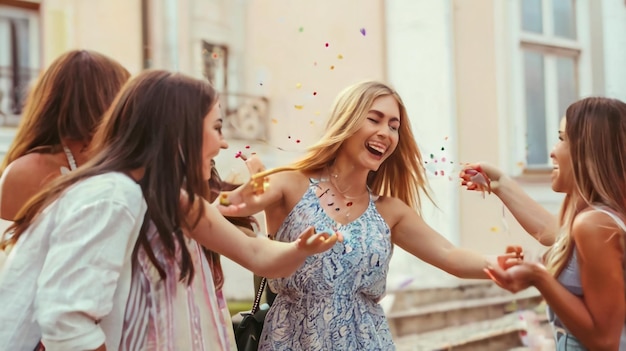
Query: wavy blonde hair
(596,130)
(402,175)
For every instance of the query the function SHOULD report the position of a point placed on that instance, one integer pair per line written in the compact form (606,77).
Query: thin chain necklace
(328,197)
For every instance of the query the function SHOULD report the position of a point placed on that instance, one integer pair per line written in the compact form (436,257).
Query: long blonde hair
(596,131)
(402,175)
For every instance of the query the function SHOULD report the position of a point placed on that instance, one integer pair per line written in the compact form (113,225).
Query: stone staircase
(469,316)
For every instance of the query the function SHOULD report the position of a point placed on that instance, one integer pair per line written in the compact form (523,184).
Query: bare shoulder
(392,209)
(594,226)
(32,169)
(23,178)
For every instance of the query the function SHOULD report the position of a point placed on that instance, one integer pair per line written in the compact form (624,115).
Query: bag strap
(257,298)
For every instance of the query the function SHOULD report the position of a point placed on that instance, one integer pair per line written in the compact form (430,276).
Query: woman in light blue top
(582,276)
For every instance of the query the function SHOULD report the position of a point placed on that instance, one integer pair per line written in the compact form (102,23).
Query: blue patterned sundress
(331,302)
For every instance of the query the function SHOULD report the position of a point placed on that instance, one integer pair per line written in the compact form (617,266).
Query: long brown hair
(595,128)
(155,124)
(402,175)
(68,101)
(217,185)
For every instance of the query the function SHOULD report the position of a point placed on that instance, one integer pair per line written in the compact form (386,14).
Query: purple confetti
(362,30)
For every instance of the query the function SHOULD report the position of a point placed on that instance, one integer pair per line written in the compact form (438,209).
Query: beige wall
(482,105)
(112,27)
(279,56)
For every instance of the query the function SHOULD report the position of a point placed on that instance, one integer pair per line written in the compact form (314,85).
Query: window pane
(564,18)
(567,82)
(536,143)
(532,17)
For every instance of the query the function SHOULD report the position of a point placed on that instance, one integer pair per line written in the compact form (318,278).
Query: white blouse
(67,279)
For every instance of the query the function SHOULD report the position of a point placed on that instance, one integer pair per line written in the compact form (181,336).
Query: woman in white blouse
(66,283)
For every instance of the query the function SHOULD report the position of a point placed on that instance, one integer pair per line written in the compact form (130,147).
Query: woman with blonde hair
(362,180)
(61,114)
(103,254)
(582,276)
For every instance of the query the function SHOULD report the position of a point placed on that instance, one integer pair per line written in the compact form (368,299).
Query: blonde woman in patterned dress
(362,179)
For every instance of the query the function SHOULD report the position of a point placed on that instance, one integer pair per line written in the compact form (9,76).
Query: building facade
(483,80)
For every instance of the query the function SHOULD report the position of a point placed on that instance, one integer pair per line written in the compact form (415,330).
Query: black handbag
(248,332)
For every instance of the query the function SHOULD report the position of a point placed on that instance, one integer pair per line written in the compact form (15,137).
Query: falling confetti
(314,93)
(298,86)
(247,146)
(340,56)
(298,107)
(494,229)
(362,30)
(301,29)
(298,141)
(317,113)
(274,120)
(315,63)
(326,45)
(311,122)
(332,67)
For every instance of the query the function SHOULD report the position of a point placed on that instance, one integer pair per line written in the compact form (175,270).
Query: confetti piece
(432,156)
(215,55)
(247,146)
(340,56)
(363,31)
(326,45)
(443,148)
(298,141)
(298,107)
(311,122)
(298,85)
(494,229)
(274,120)
(332,67)
(224,200)
(301,29)
(317,113)
(314,93)
(238,154)
(443,159)
(446,138)
(520,164)
(315,63)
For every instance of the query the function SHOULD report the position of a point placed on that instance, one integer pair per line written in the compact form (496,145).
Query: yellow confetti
(312,122)
(274,120)
(298,107)
(298,86)
(494,229)
(317,113)
(520,164)
(332,67)
(340,56)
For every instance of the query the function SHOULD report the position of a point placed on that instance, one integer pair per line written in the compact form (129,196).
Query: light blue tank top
(570,279)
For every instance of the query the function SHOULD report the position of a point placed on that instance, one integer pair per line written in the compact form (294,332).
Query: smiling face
(377,136)
(212,138)
(562,176)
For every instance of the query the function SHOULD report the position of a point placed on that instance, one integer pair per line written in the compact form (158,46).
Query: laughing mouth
(376,149)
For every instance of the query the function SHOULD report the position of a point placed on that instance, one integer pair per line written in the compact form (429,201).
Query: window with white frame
(550,50)
(19,59)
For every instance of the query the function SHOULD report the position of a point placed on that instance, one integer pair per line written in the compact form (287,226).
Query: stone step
(423,318)
(497,334)
(462,290)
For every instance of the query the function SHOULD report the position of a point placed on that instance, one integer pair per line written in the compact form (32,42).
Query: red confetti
(314,93)
(247,146)
(326,44)
(298,141)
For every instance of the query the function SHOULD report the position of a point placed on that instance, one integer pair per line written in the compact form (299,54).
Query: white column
(420,65)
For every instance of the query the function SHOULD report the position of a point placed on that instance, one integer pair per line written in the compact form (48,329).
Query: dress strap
(70,160)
